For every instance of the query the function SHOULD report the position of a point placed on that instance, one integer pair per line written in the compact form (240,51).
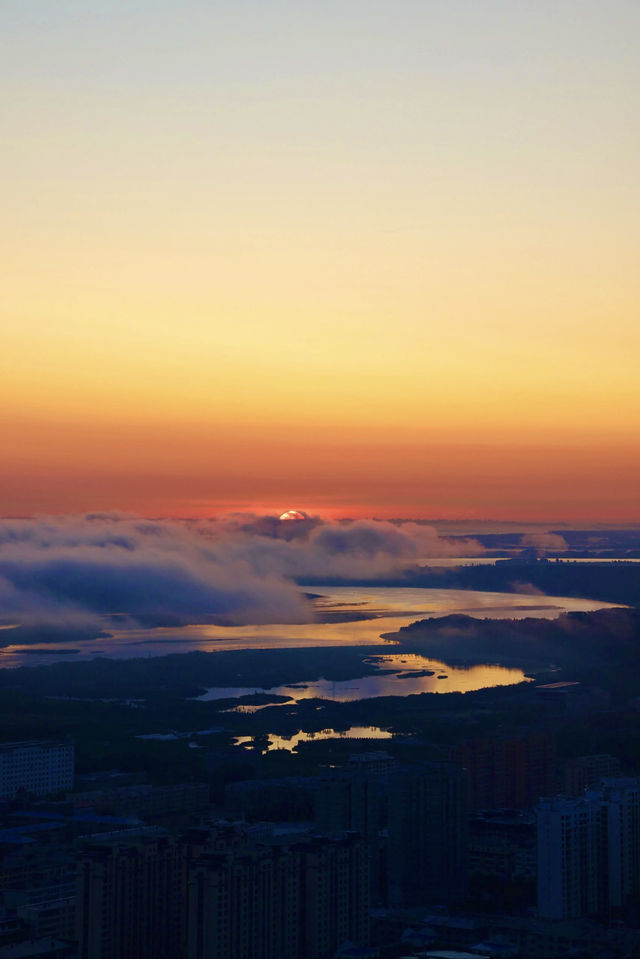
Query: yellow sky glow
(385,258)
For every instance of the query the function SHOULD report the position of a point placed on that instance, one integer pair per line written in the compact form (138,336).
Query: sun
(293,514)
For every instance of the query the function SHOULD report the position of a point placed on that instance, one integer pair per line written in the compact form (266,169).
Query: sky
(360,258)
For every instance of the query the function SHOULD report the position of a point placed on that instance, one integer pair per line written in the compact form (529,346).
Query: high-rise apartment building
(503,845)
(428,840)
(240,898)
(508,772)
(37,767)
(352,801)
(589,851)
(587,772)
(280,901)
(349,802)
(569,858)
(619,800)
(131,897)
(337,895)
(375,763)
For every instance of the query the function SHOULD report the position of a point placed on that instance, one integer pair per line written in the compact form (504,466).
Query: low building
(290,798)
(49,911)
(39,949)
(148,802)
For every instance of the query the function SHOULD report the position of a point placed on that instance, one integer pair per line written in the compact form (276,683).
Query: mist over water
(387,608)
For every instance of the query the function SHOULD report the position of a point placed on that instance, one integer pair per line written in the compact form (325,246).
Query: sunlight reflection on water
(397,676)
(291,742)
(389,607)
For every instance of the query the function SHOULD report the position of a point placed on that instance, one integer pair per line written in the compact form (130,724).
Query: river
(387,609)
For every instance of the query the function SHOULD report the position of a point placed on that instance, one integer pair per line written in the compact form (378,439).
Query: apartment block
(428,837)
(37,767)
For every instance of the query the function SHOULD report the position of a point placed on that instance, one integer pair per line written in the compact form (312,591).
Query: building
(374,763)
(229,890)
(48,911)
(46,948)
(38,767)
(569,858)
(348,802)
(29,864)
(587,772)
(428,841)
(148,801)
(131,896)
(290,798)
(502,845)
(239,899)
(337,895)
(510,772)
(589,852)
(297,900)
(619,801)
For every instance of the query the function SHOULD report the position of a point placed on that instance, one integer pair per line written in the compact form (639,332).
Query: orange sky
(374,261)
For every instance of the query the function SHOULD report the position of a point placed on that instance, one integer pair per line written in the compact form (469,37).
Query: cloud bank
(234,570)
(544,541)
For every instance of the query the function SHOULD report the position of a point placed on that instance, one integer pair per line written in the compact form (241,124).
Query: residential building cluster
(375,857)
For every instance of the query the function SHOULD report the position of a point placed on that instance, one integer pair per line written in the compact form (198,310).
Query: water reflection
(247,710)
(387,608)
(291,742)
(401,674)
